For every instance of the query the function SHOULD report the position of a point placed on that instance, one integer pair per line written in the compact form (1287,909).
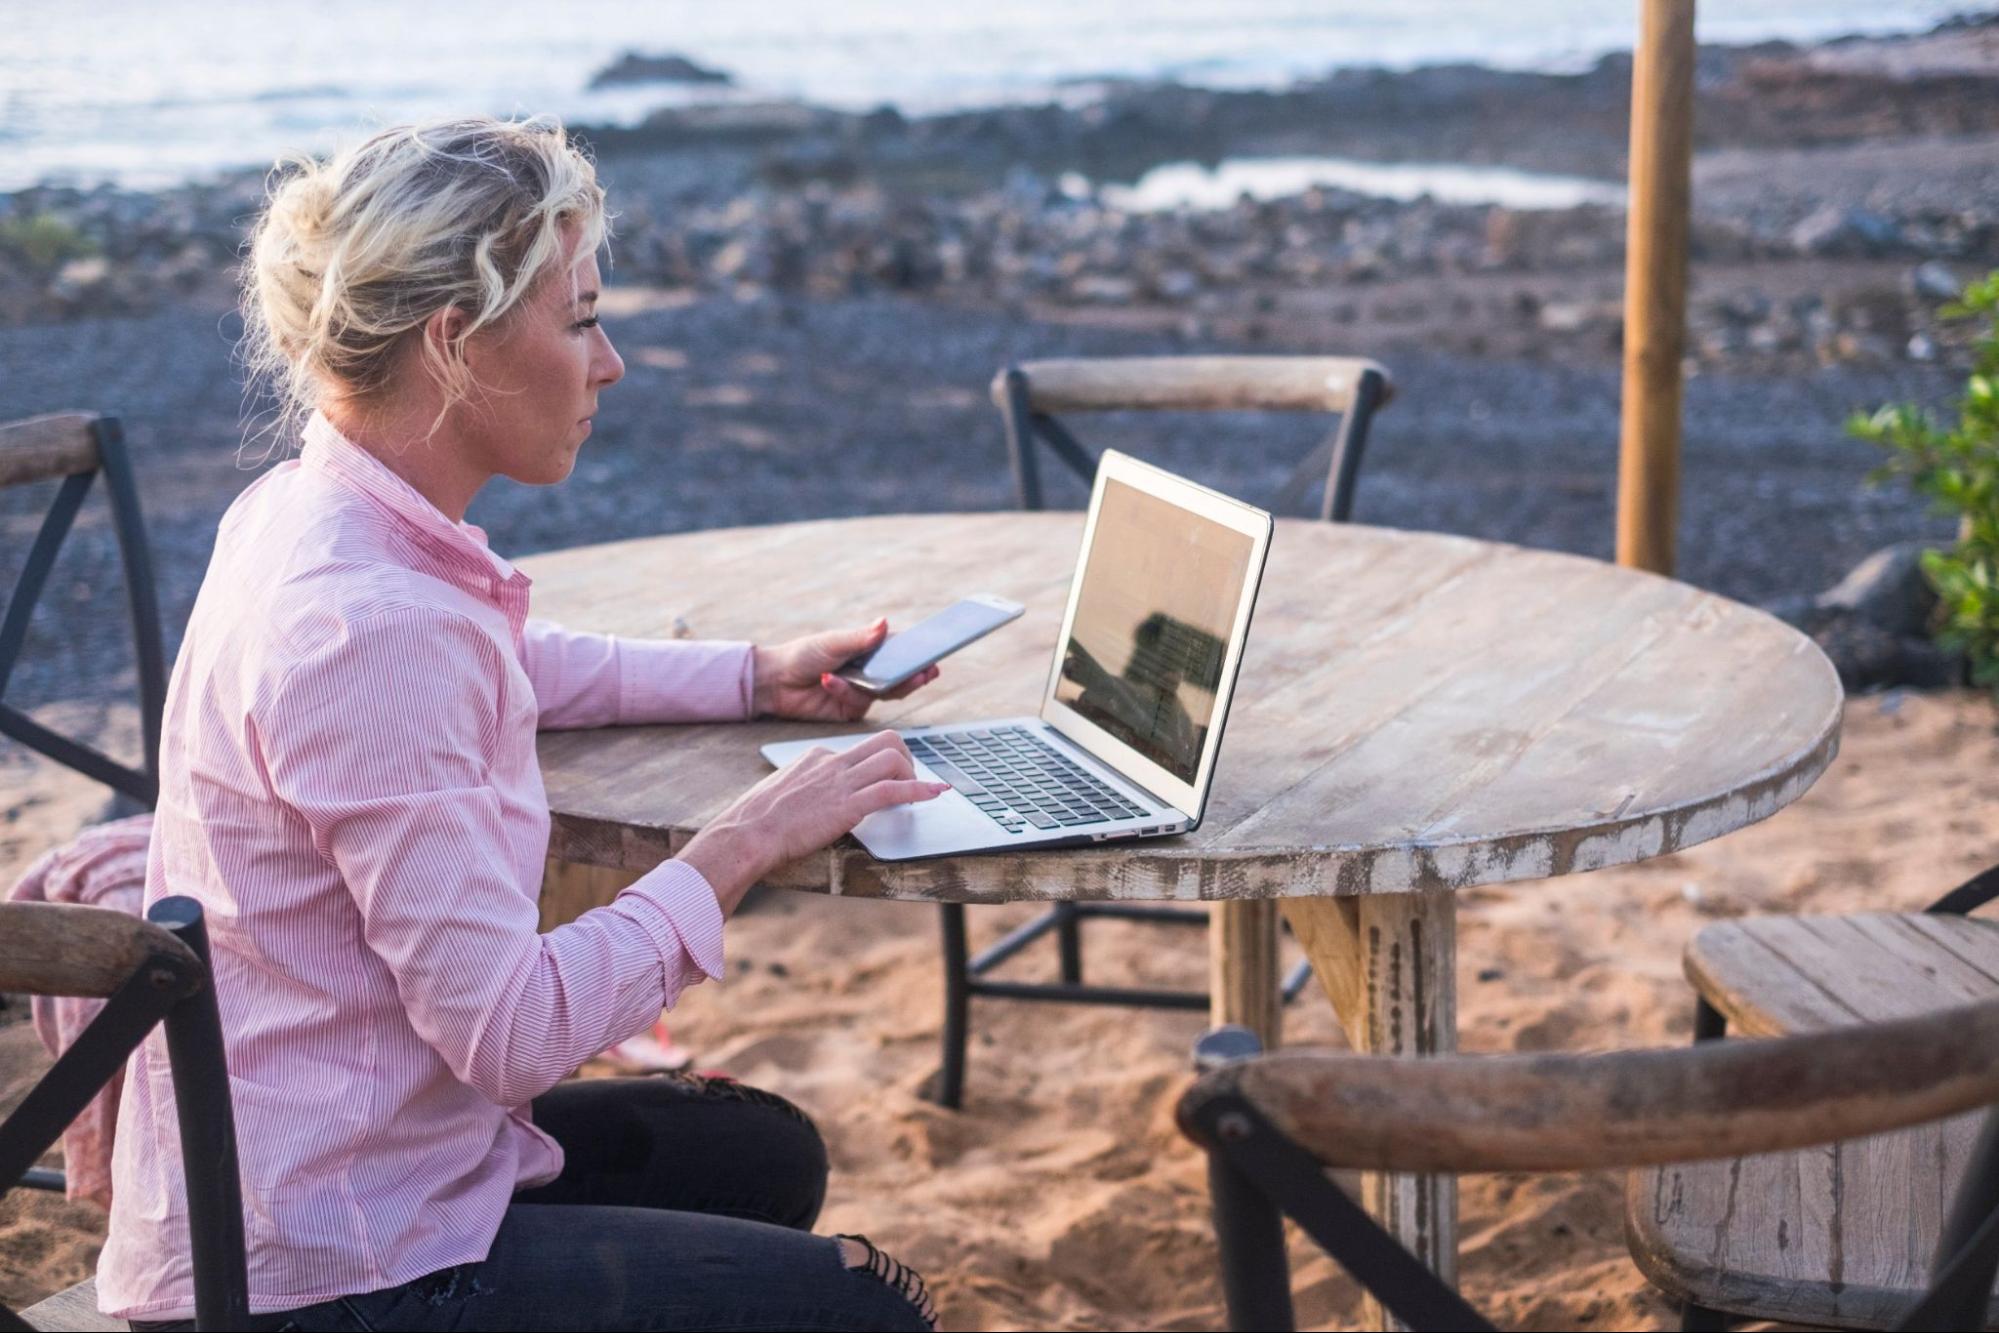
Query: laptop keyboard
(1020,780)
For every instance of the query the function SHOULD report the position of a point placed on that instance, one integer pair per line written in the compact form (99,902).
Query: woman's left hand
(796,679)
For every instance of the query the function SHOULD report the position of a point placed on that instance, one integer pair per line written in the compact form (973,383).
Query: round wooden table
(1416,714)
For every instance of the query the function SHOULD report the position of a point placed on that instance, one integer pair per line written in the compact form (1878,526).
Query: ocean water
(1196,185)
(150,92)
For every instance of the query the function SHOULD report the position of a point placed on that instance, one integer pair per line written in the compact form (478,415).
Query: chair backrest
(74,447)
(1030,394)
(1280,1120)
(147,972)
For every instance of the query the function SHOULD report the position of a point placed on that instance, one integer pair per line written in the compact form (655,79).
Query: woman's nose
(607,367)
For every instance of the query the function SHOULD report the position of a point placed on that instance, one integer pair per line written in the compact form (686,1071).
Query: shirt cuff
(686,920)
(681,680)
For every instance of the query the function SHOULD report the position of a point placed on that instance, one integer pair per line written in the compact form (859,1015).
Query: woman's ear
(443,329)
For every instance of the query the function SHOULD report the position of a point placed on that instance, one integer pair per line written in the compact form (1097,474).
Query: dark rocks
(632,68)
(1874,624)
(1888,589)
(1867,324)
(1870,658)
(68,253)
(732,125)
(787,198)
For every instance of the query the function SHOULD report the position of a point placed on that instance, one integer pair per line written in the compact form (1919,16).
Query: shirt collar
(329,452)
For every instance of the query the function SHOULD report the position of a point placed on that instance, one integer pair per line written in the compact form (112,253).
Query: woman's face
(539,374)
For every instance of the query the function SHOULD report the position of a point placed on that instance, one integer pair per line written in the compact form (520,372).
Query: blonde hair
(352,254)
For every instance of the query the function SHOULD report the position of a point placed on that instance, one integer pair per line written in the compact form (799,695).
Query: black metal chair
(74,447)
(1029,395)
(149,972)
(1273,1125)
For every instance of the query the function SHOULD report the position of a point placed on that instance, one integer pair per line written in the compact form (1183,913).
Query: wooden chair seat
(75,1308)
(1841,1235)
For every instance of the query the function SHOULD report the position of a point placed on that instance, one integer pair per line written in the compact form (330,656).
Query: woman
(349,787)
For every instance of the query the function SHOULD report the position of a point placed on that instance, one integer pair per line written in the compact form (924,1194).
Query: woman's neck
(437,464)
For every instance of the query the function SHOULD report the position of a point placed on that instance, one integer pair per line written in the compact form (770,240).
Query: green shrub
(43,241)
(1958,468)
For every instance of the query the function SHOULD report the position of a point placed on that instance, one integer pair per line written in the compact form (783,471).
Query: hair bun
(352,253)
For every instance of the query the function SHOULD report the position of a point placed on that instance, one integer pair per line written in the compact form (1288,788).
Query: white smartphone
(902,655)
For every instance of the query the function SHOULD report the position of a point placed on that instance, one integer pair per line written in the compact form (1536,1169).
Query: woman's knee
(906,1300)
(789,1153)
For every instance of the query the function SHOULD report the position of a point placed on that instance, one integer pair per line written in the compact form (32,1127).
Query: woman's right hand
(801,808)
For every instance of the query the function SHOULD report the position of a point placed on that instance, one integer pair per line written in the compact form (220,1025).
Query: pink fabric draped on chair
(104,867)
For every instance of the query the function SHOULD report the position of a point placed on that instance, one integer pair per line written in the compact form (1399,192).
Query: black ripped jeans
(684,1203)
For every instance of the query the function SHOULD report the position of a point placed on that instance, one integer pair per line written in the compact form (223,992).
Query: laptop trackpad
(922,828)
(926,828)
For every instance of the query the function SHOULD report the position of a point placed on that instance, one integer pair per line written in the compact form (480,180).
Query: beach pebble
(1102,289)
(1833,230)
(79,278)
(1934,281)
(1565,316)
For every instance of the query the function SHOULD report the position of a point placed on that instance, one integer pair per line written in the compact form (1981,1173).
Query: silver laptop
(1131,720)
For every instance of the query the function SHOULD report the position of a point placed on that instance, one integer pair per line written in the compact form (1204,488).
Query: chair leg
(1699,1319)
(197,1057)
(949,1089)
(1249,1230)
(1710,1024)
(1069,936)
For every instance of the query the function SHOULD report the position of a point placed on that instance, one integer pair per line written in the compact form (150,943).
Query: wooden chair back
(1274,1123)
(74,448)
(148,972)
(1031,394)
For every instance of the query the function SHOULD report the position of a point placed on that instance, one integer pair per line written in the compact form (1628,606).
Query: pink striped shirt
(349,787)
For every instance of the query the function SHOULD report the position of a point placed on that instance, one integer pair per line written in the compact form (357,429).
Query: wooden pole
(1655,283)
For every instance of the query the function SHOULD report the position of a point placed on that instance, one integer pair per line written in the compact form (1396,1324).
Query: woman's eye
(589,323)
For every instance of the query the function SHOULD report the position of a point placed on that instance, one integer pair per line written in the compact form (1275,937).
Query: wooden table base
(1244,975)
(1388,961)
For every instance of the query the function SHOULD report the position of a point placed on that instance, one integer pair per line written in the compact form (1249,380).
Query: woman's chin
(549,471)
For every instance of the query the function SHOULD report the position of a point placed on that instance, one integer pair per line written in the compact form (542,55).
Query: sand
(1062,1196)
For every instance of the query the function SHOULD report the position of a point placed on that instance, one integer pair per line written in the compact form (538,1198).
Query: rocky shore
(811,305)
(1843,192)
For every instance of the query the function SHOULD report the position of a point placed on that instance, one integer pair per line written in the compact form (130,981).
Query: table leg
(1389,962)
(1243,977)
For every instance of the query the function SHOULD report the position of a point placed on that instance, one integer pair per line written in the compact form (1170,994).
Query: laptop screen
(1150,634)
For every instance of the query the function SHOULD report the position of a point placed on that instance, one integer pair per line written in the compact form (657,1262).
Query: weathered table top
(1415,711)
